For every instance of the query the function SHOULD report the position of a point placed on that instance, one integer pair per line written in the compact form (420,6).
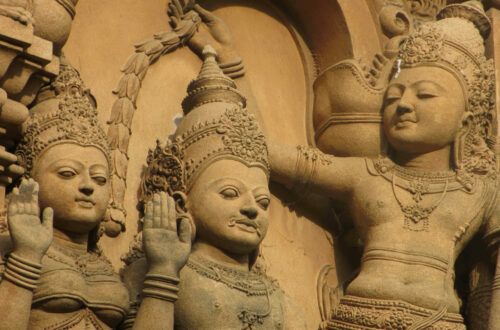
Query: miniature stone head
(442,91)
(216,166)
(65,150)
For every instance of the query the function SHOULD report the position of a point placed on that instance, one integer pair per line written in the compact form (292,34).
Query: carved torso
(213,296)
(400,257)
(78,291)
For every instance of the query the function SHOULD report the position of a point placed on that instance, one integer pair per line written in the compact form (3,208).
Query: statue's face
(74,181)
(229,203)
(423,109)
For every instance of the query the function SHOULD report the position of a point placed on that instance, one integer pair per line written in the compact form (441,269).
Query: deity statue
(32,33)
(54,275)
(216,168)
(417,208)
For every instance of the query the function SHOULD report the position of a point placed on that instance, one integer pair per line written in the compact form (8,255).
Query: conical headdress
(216,126)
(65,113)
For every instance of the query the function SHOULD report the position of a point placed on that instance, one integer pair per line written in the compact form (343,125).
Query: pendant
(417,216)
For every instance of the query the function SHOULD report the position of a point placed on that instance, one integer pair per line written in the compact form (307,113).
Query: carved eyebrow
(433,83)
(98,167)
(261,190)
(66,162)
(226,180)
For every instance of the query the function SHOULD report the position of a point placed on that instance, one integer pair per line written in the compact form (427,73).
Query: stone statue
(417,208)
(32,33)
(57,277)
(216,168)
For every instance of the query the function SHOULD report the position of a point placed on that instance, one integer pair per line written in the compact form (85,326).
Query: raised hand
(30,237)
(213,32)
(167,247)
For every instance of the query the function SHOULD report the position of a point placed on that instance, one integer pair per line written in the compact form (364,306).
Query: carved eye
(101,180)
(426,95)
(264,203)
(393,94)
(229,193)
(66,173)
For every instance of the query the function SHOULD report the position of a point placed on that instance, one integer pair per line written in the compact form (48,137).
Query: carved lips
(250,226)
(86,203)
(406,120)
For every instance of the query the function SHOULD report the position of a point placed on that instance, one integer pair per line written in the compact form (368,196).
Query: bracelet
(161,287)
(233,69)
(306,167)
(163,278)
(160,294)
(305,170)
(21,272)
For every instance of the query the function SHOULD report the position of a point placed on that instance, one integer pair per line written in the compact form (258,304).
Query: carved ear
(180,199)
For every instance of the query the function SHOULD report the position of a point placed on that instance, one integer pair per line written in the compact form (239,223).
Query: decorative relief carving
(122,112)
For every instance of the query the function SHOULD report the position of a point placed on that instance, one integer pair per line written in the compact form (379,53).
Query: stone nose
(250,211)
(85,186)
(405,104)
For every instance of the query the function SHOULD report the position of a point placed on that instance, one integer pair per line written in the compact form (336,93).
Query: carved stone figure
(216,168)
(58,277)
(420,206)
(32,34)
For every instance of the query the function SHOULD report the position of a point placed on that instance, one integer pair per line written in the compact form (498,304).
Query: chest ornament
(247,282)
(418,184)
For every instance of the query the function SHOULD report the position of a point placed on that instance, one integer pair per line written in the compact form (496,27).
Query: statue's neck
(74,241)
(438,160)
(206,250)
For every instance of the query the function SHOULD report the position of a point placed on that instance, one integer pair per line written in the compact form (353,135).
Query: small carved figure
(216,168)
(420,206)
(56,277)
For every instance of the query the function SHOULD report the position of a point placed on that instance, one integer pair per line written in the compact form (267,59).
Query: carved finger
(185,230)
(14,200)
(35,209)
(178,6)
(164,211)
(24,190)
(206,16)
(148,215)
(172,215)
(175,12)
(156,211)
(48,218)
(20,207)
(26,194)
(175,21)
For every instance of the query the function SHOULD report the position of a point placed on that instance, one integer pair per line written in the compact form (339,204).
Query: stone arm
(296,168)
(167,249)
(308,169)
(30,239)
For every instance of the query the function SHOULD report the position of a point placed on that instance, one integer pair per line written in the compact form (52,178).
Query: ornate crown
(455,43)
(67,116)
(216,126)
